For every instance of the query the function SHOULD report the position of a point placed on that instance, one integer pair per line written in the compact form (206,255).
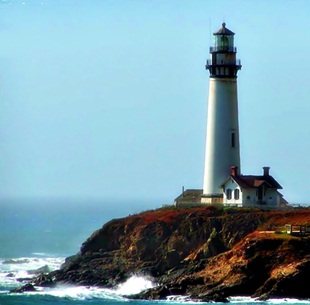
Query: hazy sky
(108,99)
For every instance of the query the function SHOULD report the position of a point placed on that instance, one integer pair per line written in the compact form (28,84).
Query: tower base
(213,198)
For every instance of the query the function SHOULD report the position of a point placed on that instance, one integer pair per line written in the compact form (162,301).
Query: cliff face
(205,252)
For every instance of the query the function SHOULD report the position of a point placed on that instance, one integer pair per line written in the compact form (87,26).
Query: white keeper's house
(251,190)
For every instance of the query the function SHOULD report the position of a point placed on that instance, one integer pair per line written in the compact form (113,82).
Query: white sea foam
(180,299)
(242,300)
(134,284)
(30,263)
(19,268)
(78,293)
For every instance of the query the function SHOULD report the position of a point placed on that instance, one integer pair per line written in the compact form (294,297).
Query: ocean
(41,233)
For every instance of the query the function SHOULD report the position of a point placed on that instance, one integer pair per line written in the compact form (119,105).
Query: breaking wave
(134,284)
(15,272)
(78,293)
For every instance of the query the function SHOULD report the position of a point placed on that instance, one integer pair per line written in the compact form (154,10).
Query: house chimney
(234,171)
(266,170)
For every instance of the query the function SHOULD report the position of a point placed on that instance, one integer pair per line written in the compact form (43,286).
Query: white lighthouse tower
(222,143)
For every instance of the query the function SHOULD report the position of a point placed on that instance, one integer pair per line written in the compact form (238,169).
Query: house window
(233,140)
(228,194)
(236,194)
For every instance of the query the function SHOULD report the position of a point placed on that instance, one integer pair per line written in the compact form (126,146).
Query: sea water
(36,234)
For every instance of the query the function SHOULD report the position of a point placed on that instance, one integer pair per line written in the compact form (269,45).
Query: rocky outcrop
(207,253)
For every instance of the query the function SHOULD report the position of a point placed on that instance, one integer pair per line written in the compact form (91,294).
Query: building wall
(211,200)
(272,197)
(222,123)
(249,196)
(233,186)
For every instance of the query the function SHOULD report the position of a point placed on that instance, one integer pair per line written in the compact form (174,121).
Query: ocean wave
(134,284)
(15,271)
(9,280)
(30,263)
(78,293)
(15,261)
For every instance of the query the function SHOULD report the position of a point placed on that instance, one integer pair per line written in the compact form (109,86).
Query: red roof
(250,181)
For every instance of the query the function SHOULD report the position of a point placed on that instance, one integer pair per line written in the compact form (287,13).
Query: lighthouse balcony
(229,49)
(223,69)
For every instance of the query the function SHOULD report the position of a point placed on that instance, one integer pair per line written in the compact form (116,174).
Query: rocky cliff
(207,253)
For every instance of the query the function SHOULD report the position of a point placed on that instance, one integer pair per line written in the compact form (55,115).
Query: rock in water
(27,287)
(42,270)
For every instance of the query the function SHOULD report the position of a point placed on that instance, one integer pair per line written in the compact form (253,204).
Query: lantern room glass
(224,42)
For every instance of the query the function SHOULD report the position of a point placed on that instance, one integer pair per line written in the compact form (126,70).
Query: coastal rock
(27,287)
(42,270)
(45,281)
(205,253)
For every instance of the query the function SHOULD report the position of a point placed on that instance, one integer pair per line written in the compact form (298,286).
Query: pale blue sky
(108,99)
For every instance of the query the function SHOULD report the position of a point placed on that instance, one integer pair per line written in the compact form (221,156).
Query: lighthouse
(223,181)
(222,138)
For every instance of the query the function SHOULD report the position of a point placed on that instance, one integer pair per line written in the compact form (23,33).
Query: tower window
(233,140)
(236,194)
(228,194)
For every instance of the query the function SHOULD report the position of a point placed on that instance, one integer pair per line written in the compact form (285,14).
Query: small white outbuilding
(251,190)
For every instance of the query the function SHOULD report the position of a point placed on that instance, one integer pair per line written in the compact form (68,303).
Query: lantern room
(224,40)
